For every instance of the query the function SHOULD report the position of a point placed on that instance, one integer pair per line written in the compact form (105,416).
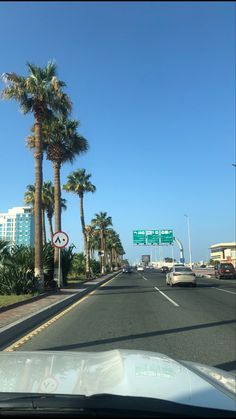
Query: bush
(67,257)
(17,267)
(14,282)
(95,265)
(78,265)
(48,263)
(17,273)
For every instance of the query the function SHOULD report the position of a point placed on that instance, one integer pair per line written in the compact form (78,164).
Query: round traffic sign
(60,239)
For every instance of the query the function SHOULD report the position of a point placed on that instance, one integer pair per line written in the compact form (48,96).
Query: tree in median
(41,94)
(47,205)
(102,221)
(78,182)
(63,144)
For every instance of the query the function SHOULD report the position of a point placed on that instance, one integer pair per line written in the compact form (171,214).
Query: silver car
(181,275)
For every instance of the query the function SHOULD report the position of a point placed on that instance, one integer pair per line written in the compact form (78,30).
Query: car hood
(119,372)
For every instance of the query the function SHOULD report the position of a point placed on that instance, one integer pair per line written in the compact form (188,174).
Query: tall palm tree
(50,209)
(40,93)
(113,245)
(29,199)
(102,221)
(63,145)
(47,204)
(94,241)
(78,182)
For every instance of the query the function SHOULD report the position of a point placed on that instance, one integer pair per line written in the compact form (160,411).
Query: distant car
(181,275)
(140,268)
(127,270)
(225,270)
(165,269)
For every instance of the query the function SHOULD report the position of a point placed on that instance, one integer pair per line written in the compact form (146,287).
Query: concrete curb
(25,302)
(16,330)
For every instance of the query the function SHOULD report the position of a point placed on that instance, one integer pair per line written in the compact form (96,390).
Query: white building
(17,226)
(224,252)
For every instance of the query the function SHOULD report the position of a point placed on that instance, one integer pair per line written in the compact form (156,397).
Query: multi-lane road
(139,311)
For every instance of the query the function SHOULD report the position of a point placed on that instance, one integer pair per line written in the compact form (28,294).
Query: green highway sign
(139,237)
(166,236)
(152,237)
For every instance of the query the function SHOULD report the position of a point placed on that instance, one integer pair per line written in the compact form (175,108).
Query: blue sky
(153,85)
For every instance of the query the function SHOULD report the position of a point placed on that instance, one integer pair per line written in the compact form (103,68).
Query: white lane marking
(220,289)
(144,278)
(168,298)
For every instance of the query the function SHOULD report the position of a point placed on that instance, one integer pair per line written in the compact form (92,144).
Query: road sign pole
(59,269)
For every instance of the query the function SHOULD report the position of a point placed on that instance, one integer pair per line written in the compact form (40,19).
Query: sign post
(60,240)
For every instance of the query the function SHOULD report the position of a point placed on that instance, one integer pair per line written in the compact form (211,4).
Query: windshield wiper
(105,404)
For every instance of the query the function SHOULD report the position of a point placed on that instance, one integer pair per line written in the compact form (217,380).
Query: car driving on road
(164,269)
(181,275)
(127,270)
(225,270)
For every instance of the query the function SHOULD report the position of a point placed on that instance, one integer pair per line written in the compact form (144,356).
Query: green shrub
(95,265)
(67,257)
(78,265)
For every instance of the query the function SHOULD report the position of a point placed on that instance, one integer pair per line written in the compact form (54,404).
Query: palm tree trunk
(38,237)
(82,218)
(88,271)
(50,226)
(103,250)
(57,213)
(86,249)
(44,227)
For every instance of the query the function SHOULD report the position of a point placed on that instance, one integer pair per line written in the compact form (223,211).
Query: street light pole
(189,242)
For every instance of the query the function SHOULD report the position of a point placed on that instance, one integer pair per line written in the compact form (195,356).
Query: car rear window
(226,265)
(183,269)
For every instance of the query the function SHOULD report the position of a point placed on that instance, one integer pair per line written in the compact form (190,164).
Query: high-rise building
(17,226)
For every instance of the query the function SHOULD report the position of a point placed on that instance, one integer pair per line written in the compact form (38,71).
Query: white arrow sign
(60,239)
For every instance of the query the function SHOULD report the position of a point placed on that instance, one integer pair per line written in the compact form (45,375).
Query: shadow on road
(124,292)
(189,286)
(118,287)
(138,336)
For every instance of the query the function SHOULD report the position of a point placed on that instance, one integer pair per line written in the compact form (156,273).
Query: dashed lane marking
(166,296)
(220,289)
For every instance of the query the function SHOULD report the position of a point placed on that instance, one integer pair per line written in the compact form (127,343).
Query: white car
(140,268)
(180,275)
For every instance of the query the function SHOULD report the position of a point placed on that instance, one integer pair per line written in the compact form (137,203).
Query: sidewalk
(19,319)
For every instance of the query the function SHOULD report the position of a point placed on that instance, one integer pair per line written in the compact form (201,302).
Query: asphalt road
(139,311)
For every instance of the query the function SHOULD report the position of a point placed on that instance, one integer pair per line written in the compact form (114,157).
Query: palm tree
(102,222)
(63,144)
(48,199)
(78,182)
(41,94)
(94,241)
(29,199)
(113,245)
(47,204)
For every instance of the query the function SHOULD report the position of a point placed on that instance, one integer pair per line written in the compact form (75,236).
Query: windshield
(115,121)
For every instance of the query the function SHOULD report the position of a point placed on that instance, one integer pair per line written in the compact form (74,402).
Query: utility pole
(189,241)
